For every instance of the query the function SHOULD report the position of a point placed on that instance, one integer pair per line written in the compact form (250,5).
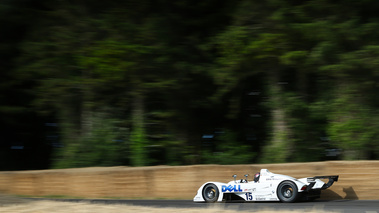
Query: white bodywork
(263,190)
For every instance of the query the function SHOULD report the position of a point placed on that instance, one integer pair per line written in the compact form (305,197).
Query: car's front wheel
(210,193)
(287,192)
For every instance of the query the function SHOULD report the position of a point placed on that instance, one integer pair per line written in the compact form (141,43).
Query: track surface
(344,206)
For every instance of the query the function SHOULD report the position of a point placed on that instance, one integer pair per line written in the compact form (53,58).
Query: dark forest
(157,82)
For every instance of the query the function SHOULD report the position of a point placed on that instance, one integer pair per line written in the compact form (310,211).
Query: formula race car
(266,186)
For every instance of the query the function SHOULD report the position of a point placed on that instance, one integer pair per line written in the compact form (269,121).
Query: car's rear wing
(332,179)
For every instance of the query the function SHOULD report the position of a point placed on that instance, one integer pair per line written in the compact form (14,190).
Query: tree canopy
(104,83)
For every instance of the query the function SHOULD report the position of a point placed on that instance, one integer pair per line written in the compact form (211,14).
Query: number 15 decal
(249,196)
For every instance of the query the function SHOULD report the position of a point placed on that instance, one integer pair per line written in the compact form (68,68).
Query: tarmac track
(343,206)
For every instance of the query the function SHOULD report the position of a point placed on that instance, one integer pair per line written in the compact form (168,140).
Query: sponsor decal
(250,190)
(272,178)
(231,188)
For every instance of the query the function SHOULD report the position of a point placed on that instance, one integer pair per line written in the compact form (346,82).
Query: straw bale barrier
(358,180)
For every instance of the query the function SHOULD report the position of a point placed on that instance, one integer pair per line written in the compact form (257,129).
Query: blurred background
(158,82)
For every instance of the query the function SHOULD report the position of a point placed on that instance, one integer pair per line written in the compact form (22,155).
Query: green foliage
(352,127)
(105,145)
(306,121)
(293,57)
(277,151)
(137,147)
(228,150)
(112,60)
(282,73)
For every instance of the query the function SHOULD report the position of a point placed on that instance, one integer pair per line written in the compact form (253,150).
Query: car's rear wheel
(287,192)
(210,193)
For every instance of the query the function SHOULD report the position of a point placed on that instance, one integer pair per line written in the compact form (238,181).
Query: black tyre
(210,193)
(287,192)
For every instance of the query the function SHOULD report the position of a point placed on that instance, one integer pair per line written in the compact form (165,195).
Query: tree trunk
(86,115)
(279,147)
(138,134)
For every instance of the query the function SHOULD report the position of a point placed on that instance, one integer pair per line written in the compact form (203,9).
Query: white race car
(266,186)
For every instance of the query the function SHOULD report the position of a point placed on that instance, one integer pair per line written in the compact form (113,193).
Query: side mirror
(234,176)
(247,175)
